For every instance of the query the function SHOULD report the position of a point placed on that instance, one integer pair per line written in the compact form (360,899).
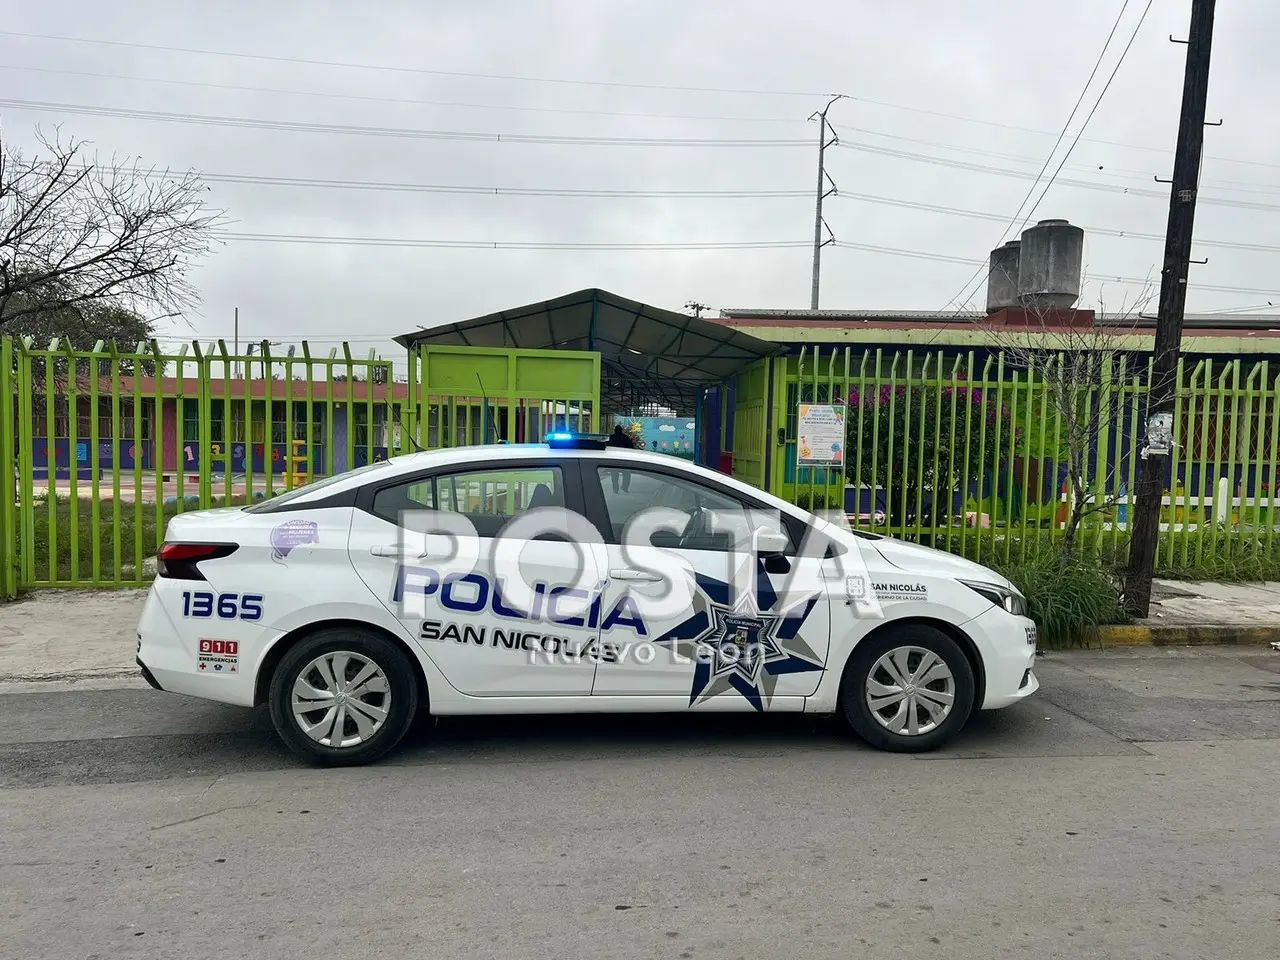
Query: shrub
(1067,603)
(818,501)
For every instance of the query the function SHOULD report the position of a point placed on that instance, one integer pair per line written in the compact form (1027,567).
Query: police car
(568,577)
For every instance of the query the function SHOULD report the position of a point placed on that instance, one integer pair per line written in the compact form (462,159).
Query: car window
(488,498)
(315,487)
(628,493)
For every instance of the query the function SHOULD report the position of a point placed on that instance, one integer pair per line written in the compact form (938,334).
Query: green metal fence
(961,451)
(474,395)
(973,452)
(101,447)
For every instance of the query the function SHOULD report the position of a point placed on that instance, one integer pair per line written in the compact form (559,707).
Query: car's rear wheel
(343,696)
(908,689)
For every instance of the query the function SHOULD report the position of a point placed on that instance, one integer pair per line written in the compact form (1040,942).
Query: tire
(370,726)
(907,649)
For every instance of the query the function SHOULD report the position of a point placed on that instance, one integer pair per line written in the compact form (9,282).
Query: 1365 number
(226,606)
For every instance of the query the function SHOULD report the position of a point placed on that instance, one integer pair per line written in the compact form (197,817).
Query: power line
(961,296)
(1061,181)
(1047,133)
(1247,186)
(1250,308)
(1092,231)
(392,187)
(505,245)
(607,193)
(1144,176)
(293,126)
(404,100)
(628,113)
(1097,103)
(1102,277)
(166,48)
(405,242)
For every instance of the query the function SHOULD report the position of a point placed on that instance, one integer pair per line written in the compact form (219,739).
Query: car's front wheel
(343,696)
(908,689)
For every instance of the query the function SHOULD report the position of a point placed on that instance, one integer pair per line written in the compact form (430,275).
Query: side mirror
(771,543)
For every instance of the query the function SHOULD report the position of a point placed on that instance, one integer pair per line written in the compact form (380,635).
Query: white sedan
(568,577)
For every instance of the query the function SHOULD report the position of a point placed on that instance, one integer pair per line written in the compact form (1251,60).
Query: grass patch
(58,538)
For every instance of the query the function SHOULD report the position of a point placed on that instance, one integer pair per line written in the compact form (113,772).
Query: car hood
(926,561)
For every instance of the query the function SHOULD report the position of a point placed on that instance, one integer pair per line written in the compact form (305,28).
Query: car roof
(409,463)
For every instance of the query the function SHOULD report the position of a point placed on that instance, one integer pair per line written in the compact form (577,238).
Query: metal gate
(750,443)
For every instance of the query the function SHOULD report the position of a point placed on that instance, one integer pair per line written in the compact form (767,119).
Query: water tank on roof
(1049,265)
(1002,277)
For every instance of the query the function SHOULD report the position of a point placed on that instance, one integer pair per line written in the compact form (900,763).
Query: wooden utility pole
(1161,394)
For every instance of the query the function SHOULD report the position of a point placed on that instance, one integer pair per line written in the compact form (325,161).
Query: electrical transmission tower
(826,187)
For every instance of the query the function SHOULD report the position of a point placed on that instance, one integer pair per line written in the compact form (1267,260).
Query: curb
(1161,635)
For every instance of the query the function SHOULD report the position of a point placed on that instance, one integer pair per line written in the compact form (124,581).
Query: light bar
(566,440)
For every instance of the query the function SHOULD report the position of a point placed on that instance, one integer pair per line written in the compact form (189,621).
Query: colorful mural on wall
(673,435)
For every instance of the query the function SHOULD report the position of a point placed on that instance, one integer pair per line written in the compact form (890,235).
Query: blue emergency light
(567,440)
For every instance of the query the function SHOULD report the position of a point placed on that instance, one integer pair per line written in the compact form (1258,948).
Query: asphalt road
(1132,810)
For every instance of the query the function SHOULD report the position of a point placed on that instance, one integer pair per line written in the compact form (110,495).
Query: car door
(489,636)
(746,629)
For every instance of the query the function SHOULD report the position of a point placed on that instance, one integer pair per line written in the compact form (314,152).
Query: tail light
(178,561)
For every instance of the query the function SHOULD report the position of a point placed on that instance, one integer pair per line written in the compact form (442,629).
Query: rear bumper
(148,676)
(170,661)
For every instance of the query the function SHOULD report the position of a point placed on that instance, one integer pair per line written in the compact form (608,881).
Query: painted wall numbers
(202,605)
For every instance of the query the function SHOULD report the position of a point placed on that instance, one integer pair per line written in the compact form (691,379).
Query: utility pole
(696,308)
(235,349)
(824,191)
(1173,300)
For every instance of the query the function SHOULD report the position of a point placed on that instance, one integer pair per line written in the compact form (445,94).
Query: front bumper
(1007,646)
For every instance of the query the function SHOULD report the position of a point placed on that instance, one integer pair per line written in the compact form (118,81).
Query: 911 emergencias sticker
(218,656)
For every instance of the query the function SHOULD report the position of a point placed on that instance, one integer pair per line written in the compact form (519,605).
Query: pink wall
(171,417)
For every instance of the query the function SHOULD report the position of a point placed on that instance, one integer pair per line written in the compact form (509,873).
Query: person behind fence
(619,438)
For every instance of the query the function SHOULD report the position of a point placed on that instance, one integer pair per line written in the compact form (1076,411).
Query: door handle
(642,576)
(395,552)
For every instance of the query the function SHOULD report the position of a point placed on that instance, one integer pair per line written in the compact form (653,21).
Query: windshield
(275,503)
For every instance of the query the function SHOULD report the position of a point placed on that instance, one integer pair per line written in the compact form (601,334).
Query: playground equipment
(298,458)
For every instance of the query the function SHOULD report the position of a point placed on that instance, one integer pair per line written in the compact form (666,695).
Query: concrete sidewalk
(60,635)
(90,637)
(1185,613)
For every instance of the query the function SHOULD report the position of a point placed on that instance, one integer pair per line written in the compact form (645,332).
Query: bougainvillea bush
(918,447)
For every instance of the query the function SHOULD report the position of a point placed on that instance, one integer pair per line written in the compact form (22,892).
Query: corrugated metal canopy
(640,344)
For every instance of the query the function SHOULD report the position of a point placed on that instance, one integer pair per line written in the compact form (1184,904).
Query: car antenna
(407,434)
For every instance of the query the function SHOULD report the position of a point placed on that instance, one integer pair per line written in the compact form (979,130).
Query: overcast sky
(987,83)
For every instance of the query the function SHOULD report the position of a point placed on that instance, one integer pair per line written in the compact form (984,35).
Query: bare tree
(1079,366)
(76,233)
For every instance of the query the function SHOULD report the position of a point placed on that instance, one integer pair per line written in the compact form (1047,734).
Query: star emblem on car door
(742,645)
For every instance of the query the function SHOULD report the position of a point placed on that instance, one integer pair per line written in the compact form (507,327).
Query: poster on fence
(821,436)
